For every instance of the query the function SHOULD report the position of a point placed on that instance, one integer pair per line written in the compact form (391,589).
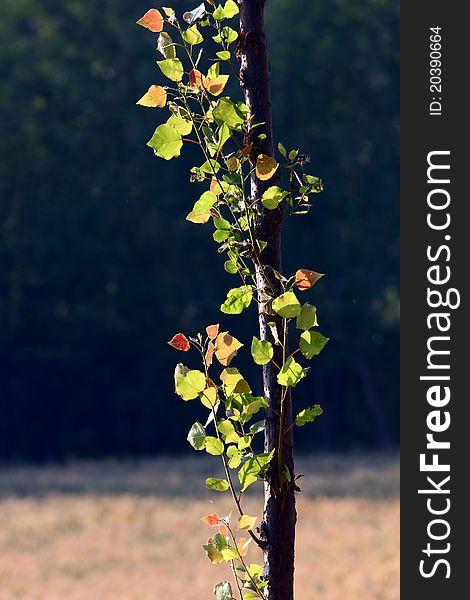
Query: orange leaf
(212,519)
(212,331)
(304,279)
(152,20)
(209,354)
(266,166)
(242,546)
(247,149)
(156,96)
(216,86)
(226,347)
(195,79)
(180,342)
(223,529)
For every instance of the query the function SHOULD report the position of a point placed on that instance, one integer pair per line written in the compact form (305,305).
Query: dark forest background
(98,267)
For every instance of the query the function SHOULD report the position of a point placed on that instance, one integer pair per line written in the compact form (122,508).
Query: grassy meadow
(131,530)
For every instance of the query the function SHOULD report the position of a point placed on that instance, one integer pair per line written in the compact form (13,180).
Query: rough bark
(278,527)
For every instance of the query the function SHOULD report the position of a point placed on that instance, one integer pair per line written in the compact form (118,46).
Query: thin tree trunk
(278,527)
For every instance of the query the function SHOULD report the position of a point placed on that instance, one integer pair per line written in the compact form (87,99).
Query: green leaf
(213,554)
(223,591)
(253,467)
(214,71)
(221,223)
(213,445)
(220,235)
(258,427)
(172,68)
(308,415)
(190,384)
(229,34)
(219,13)
(218,485)
(166,142)
(196,436)
(261,351)
(312,343)
(201,209)
(219,541)
(230,554)
(225,427)
(230,9)
(291,373)
(307,317)
(286,305)
(235,457)
(223,55)
(165,45)
(230,267)
(272,197)
(182,126)
(237,300)
(227,113)
(192,36)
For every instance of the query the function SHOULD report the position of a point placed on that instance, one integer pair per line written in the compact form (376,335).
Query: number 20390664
(435,71)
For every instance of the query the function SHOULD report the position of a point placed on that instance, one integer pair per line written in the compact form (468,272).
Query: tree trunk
(278,527)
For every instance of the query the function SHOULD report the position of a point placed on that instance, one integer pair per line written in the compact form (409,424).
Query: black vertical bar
(426,128)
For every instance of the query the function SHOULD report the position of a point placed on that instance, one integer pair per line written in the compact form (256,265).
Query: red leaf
(179,342)
(152,20)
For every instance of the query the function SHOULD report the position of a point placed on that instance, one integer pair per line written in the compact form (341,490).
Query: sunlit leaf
(169,12)
(193,36)
(166,142)
(213,445)
(291,373)
(209,353)
(272,197)
(216,86)
(230,9)
(235,457)
(230,114)
(286,305)
(171,68)
(230,554)
(182,126)
(213,554)
(307,317)
(242,546)
(190,384)
(266,166)
(223,55)
(218,485)
(180,342)
(223,591)
(237,300)
(233,382)
(201,210)
(212,331)
(165,45)
(152,20)
(304,279)
(226,348)
(196,436)
(262,351)
(209,397)
(155,97)
(245,522)
(197,14)
(308,415)
(312,343)
(195,79)
(212,519)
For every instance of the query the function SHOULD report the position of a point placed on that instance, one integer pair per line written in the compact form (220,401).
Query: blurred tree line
(98,267)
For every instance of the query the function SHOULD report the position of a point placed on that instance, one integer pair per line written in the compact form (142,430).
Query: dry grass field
(132,531)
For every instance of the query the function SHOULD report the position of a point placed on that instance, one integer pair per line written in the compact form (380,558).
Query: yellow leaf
(209,397)
(234,382)
(216,86)
(226,347)
(266,166)
(168,11)
(213,554)
(156,96)
(245,522)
